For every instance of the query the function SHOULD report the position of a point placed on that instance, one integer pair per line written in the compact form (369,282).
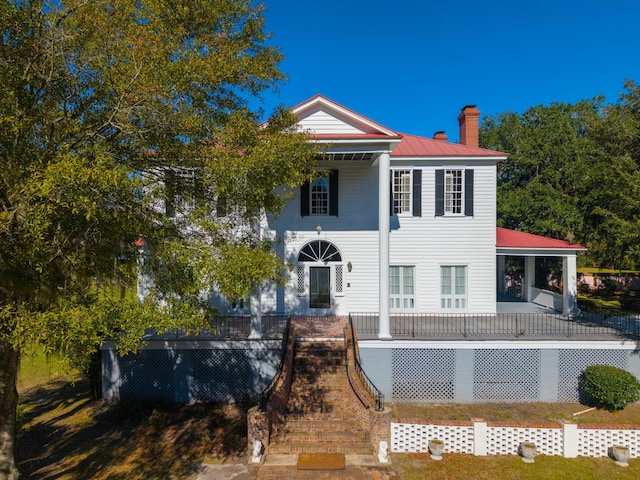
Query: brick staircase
(319,417)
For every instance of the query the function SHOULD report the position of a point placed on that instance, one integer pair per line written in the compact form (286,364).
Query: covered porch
(510,243)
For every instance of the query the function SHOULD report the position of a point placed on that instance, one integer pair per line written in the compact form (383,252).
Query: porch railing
(501,325)
(238,327)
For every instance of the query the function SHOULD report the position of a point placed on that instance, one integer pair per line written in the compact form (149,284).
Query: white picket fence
(481,438)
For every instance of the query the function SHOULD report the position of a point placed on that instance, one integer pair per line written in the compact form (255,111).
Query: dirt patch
(64,434)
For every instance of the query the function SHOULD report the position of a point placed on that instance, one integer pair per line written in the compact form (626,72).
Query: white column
(529,278)
(569,284)
(384,201)
(255,304)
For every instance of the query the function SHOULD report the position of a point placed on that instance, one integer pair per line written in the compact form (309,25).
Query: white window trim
(462,196)
(328,210)
(402,295)
(466,284)
(409,211)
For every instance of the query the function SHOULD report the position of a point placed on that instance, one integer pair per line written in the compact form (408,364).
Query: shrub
(610,388)
(609,285)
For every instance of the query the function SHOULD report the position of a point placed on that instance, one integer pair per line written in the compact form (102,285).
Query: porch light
(319,229)
(349,267)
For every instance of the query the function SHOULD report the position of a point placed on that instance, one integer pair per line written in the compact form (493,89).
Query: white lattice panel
(339,281)
(423,375)
(506,375)
(596,442)
(573,362)
(505,440)
(413,438)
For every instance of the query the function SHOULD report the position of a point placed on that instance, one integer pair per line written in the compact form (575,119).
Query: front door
(319,287)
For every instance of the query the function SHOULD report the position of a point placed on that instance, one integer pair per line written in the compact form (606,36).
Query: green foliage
(98,100)
(610,388)
(573,173)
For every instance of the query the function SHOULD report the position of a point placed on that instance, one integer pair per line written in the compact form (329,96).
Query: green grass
(505,467)
(597,270)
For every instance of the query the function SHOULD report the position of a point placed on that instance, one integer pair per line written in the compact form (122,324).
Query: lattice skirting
(188,375)
(486,374)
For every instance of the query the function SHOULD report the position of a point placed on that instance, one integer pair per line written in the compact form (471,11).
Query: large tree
(573,173)
(110,110)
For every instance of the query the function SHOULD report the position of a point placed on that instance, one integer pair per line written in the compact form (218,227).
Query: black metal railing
(501,325)
(287,343)
(238,327)
(365,381)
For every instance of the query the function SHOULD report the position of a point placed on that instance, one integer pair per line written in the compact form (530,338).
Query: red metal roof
(410,145)
(506,238)
(414,146)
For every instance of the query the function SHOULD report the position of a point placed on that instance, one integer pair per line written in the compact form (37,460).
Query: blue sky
(412,65)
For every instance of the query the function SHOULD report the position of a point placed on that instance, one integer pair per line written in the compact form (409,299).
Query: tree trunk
(8,403)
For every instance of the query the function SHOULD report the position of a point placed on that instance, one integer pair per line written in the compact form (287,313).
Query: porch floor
(509,304)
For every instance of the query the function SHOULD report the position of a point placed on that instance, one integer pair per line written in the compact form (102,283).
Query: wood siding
(427,242)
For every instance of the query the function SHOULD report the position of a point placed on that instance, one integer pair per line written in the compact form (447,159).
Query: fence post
(479,437)
(569,439)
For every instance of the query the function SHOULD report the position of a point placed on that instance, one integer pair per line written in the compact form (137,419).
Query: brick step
(319,437)
(305,425)
(315,363)
(326,408)
(328,396)
(346,447)
(320,384)
(319,416)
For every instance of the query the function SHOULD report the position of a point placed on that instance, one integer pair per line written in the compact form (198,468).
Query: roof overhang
(512,242)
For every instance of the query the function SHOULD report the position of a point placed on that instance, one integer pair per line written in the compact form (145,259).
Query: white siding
(426,242)
(322,122)
(429,242)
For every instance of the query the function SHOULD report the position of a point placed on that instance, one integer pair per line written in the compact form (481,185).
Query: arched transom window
(319,251)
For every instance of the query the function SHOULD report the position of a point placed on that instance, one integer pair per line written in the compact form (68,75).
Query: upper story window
(401,191)
(180,186)
(406,192)
(454,192)
(320,196)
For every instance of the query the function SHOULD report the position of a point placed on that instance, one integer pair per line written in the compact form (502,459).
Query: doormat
(321,461)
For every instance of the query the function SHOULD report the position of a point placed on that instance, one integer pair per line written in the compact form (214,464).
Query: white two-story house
(396,224)
(399,233)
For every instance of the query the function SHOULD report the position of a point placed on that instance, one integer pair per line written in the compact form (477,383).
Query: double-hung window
(406,192)
(402,294)
(180,190)
(320,195)
(401,191)
(454,192)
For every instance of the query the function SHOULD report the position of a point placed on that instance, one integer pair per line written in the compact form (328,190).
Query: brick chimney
(468,120)
(440,136)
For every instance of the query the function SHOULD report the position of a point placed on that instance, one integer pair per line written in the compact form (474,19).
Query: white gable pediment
(321,116)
